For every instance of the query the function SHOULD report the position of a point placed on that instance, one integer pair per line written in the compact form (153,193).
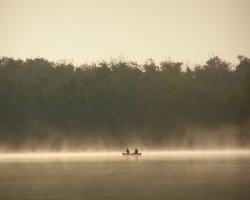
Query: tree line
(121,95)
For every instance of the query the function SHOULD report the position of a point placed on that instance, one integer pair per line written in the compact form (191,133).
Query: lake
(205,175)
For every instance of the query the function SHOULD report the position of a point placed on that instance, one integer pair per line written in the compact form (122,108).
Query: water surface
(155,175)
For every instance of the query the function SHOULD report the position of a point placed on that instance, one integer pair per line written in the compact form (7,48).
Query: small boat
(131,154)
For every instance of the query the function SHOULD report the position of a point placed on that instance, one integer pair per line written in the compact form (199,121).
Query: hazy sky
(87,30)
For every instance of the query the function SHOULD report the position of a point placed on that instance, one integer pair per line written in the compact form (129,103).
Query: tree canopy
(121,95)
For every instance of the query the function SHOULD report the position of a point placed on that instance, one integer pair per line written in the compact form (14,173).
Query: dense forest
(120,98)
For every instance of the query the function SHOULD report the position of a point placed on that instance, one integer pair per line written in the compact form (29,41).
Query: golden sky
(92,30)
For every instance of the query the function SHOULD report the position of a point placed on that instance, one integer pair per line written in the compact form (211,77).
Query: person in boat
(127,151)
(136,151)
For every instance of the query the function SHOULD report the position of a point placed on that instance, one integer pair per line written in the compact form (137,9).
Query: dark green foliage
(120,96)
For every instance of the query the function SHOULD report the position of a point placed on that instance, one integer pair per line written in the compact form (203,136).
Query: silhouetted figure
(136,151)
(127,151)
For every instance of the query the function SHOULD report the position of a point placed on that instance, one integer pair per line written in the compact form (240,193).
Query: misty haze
(133,100)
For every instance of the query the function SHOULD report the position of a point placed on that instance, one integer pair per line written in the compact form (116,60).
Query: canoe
(131,154)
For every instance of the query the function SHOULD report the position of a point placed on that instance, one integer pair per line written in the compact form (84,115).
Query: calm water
(183,175)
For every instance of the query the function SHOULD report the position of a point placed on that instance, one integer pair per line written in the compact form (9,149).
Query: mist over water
(122,129)
(63,130)
(191,175)
(218,138)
